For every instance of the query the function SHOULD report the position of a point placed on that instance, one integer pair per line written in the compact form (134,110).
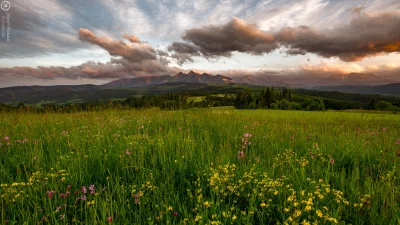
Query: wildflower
(6,138)
(90,203)
(83,197)
(234,217)
(175,214)
(69,187)
(319,213)
(50,194)
(170,208)
(305,222)
(240,154)
(332,161)
(83,189)
(308,208)
(286,209)
(263,205)
(62,195)
(398,142)
(207,204)
(62,217)
(109,219)
(198,218)
(136,197)
(127,152)
(297,213)
(92,189)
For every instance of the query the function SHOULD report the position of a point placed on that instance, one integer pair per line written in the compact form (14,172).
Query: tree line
(268,98)
(276,99)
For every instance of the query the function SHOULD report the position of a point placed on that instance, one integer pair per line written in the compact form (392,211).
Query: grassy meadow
(200,166)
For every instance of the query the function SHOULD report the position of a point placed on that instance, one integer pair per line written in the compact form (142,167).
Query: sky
(314,42)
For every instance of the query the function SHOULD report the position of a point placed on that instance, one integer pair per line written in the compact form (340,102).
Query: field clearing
(200,166)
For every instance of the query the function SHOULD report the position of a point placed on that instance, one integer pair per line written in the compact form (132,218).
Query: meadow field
(200,166)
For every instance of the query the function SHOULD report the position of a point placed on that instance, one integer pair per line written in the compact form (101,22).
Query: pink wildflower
(50,194)
(92,189)
(6,138)
(109,219)
(83,189)
(398,142)
(127,152)
(175,214)
(83,197)
(332,161)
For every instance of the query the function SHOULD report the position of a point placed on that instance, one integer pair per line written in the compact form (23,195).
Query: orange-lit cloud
(368,34)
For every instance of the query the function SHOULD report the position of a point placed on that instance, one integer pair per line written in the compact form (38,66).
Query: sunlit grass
(204,166)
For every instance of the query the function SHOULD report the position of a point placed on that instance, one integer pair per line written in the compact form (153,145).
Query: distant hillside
(82,93)
(191,77)
(387,89)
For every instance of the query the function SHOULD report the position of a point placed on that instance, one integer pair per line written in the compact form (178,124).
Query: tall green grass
(193,167)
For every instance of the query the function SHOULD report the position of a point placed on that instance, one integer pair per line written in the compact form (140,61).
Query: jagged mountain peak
(191,77)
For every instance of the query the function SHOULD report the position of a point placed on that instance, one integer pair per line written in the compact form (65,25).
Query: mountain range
(190,77)
(200,84)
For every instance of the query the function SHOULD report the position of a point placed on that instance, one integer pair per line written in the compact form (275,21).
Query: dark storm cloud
(237,35)
(368,34)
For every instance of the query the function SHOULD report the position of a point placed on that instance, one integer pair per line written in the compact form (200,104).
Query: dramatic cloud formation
(369,34)
(138,58)
(237,35)
(44,34)
(132,59)
(132,52)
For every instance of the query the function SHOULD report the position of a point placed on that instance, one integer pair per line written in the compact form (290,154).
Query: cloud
(296,52)
(236,35)
(132,52)
(44,27)
(132,38)
(369,34)
(130,60)
(182,47)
